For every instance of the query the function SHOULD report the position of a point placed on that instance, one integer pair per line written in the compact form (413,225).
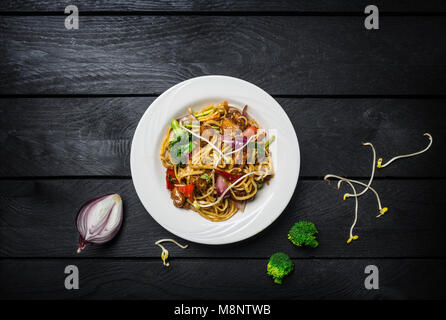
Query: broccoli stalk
(279,266)
(303,234)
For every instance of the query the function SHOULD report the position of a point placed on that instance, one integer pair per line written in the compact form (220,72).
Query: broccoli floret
(279,266)
(303,234)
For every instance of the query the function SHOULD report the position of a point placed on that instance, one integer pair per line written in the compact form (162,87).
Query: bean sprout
(352,237)
(380,160)
(373,172)
(165,252)
(220,154)
(204,139)
(382,210)
(341,179)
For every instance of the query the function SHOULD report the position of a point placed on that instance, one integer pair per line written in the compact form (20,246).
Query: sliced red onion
(187,119)
(245,112)
(221,185)
(240,204)
(99,220)
(239,142)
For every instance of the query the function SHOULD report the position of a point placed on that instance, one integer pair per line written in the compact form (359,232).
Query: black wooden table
(70,101)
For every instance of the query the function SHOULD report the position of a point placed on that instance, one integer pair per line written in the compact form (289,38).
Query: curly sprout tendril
(165,252)
(355,195)
(347,195)
(381,210)
(380,165)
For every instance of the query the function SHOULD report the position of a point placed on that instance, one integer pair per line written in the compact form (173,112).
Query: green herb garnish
(204,113)
(206,177)
(271,140)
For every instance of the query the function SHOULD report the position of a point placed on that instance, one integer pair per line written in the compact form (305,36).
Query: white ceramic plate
(149,175)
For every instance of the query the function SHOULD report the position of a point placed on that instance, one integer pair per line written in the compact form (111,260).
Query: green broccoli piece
(279,266)
(303,234)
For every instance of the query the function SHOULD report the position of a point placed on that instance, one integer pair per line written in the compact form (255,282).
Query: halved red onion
(99,220)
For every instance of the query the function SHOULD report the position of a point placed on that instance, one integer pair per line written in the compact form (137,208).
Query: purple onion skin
(221,185)
(82,244)
(238,143)
(240,204)
(81,222)
(245,112)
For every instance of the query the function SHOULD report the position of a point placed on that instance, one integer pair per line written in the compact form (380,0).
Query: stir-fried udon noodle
(216,160)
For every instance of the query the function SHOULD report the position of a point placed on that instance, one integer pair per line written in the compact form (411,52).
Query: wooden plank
(221,279)
(304,55)
(37,220)
(54,136)
(224,6)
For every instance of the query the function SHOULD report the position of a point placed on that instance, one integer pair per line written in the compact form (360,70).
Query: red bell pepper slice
(170,179)
(250,131)
(231,177)
(187,190)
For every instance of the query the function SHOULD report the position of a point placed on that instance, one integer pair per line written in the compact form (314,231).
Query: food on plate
(216,160)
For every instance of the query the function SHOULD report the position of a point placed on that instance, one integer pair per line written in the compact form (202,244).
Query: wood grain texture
(304,55)
(58,152)
(92,136)
(37,220)
(221,279)
(223,5)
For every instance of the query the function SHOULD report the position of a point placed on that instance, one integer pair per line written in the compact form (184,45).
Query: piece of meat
(228,125)
(178,198)
(249,132)
(234,112)
(200,184)
(237,118)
